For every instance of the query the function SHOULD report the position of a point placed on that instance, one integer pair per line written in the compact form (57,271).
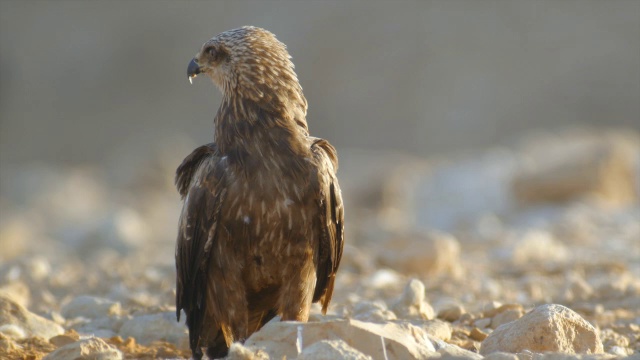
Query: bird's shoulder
(324,152)
(189,167)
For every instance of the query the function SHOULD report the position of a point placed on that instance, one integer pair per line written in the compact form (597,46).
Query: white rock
(538,246)
(13,331)
(450,310)
(331,350)
(424,254)
(238,351)
(90,307)
(412,304)
(550,328)
(437,328)
(501,356)
(162,326)
(372,311)
(91,348)
(404,340)
(505,317)
(12,313)
(561,168)
(455,352)
(17,291)
(383,278)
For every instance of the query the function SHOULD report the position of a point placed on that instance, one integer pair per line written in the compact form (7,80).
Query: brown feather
(261,230)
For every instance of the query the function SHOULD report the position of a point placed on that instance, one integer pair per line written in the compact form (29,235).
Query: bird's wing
(331,220)
(199,181)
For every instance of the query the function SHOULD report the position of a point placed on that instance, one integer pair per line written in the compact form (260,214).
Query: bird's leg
(296,295)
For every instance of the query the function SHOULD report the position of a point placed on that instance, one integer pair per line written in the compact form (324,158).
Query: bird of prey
(261,228)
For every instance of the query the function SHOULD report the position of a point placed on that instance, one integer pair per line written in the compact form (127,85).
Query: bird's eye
(211,51)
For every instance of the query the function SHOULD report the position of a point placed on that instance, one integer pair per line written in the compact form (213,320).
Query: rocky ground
(530,251)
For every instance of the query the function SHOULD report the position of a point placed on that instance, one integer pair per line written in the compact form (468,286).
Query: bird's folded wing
(200,176)
(331,220)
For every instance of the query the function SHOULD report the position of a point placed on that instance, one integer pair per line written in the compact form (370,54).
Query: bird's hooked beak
(193,70)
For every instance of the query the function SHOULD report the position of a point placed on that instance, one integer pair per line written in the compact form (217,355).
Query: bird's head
(250,63)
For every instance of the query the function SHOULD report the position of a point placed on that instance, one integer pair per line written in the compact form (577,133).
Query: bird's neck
(243,126)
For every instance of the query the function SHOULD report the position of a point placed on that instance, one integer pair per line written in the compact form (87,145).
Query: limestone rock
(90,307)
(437,328)
(90,348)
(238,351)
(455,352)
(451,312)
(12,313)
(538,247)
(161,326)
(65,339)
(412,304)
(423,254)
(547,328)
(501,356)
(505,317)
(17,291)
(557,170)
(330,350)
(372,311)
(402,340)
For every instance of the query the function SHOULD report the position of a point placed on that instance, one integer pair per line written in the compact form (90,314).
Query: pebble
(90,307)
(505,317)
(91,348)
(425,254)
(451,312)
(412,304)
(153,327)
(372,311)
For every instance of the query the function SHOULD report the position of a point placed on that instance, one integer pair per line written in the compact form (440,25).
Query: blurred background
(80,79)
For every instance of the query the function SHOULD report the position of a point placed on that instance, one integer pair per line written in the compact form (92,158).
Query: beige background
(81,79)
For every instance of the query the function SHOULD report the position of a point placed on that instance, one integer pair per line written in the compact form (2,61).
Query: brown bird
(261,229)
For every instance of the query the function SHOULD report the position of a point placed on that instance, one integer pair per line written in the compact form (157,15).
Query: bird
(261,231)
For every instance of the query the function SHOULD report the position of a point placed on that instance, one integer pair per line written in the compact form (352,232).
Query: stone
(17,291)
(90,348)
(437,328)
(237,351)
(412,304)
(90,307)
(451,312)
(153,327)
(372,311)
(330,350)
(104,327)
(402,340)
(501,356)
(12,313)
(505,317)
(492,311)
(602,166)
(477,334)
(482,323)
(546,328)
(538,247)
(423,254)
(576,288)
(13,331)
(455,352)
(65,339)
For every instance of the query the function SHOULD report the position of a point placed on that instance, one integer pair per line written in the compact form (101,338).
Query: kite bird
(261,228)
